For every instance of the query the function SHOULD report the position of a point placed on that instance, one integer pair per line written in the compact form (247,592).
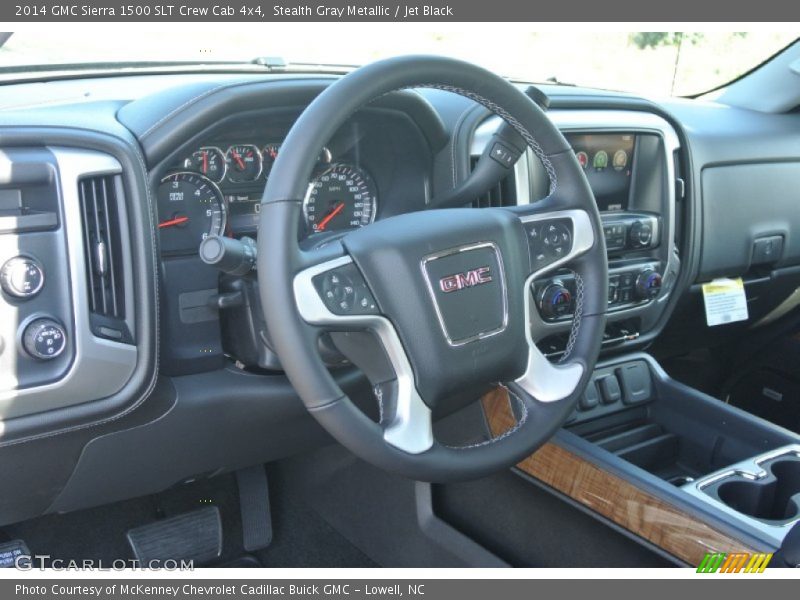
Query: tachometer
(341,197)
(190,208)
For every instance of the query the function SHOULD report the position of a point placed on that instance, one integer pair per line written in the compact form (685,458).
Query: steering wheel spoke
(333,295)
(556,238)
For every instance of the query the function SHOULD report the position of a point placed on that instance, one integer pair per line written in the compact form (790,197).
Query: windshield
(650,63)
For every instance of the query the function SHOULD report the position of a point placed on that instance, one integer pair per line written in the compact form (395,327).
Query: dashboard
(219,193)
(376,165)
(157,345)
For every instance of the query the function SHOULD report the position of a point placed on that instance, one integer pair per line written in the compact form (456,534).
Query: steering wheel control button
(468,291)
(504,155)
(44,339)
(548,241)
(344,292)
(609,389)
(22,277)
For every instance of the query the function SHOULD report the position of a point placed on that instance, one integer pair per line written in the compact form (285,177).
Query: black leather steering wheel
(446,292)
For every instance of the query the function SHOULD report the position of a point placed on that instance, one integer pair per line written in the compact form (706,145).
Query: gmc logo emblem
(459,281)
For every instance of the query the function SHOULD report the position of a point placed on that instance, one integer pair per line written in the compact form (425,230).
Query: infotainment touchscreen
(607,159)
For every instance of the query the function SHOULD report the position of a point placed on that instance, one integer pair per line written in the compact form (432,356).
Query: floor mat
(770,387)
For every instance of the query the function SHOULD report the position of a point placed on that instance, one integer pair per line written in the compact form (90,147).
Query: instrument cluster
(216,191)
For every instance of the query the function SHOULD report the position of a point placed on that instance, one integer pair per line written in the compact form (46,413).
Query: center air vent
(502,194)
(99,199)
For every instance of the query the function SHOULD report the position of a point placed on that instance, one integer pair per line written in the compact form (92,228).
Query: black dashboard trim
(207,105)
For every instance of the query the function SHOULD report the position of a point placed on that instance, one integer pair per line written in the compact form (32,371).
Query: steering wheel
(447,293)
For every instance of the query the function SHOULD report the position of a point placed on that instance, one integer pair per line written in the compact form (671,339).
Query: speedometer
(341,197)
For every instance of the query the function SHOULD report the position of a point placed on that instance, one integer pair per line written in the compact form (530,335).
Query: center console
(683,471)
(629,159)
(629,164)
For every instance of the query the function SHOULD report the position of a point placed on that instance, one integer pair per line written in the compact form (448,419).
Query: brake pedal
(194,536)
(255,508)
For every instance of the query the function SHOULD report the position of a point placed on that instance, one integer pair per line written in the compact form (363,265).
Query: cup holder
(775,497)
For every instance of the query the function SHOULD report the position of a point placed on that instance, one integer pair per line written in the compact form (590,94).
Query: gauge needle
(173,222)
(238,160)
(324,223)
(205,161)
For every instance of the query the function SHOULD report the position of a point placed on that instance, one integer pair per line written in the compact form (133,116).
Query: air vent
(103,251)
(502,194)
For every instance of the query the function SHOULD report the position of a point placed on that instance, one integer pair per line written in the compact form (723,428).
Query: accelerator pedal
(255,508)
(193,536)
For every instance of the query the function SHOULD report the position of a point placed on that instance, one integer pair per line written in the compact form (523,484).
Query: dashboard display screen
(607,159)
(243,211)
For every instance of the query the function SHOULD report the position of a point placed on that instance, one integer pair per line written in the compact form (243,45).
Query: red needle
(326,220)
(238,160)
(205,162)
(172,222)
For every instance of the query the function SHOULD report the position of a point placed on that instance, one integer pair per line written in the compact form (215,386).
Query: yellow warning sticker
(725,301)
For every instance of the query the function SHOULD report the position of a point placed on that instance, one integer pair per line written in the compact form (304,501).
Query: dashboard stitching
(191,101)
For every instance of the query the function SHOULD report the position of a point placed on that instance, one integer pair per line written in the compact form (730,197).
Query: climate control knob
(555,301)
(648,284)
(22,277)
(44,339)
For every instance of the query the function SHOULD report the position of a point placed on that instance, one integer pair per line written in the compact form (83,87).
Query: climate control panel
(628,287)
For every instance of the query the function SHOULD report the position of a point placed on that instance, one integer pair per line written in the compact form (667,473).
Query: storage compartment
(672,431)
(773,497)
(649,445)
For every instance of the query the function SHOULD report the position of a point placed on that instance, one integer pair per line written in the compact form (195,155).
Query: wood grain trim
(664,525)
